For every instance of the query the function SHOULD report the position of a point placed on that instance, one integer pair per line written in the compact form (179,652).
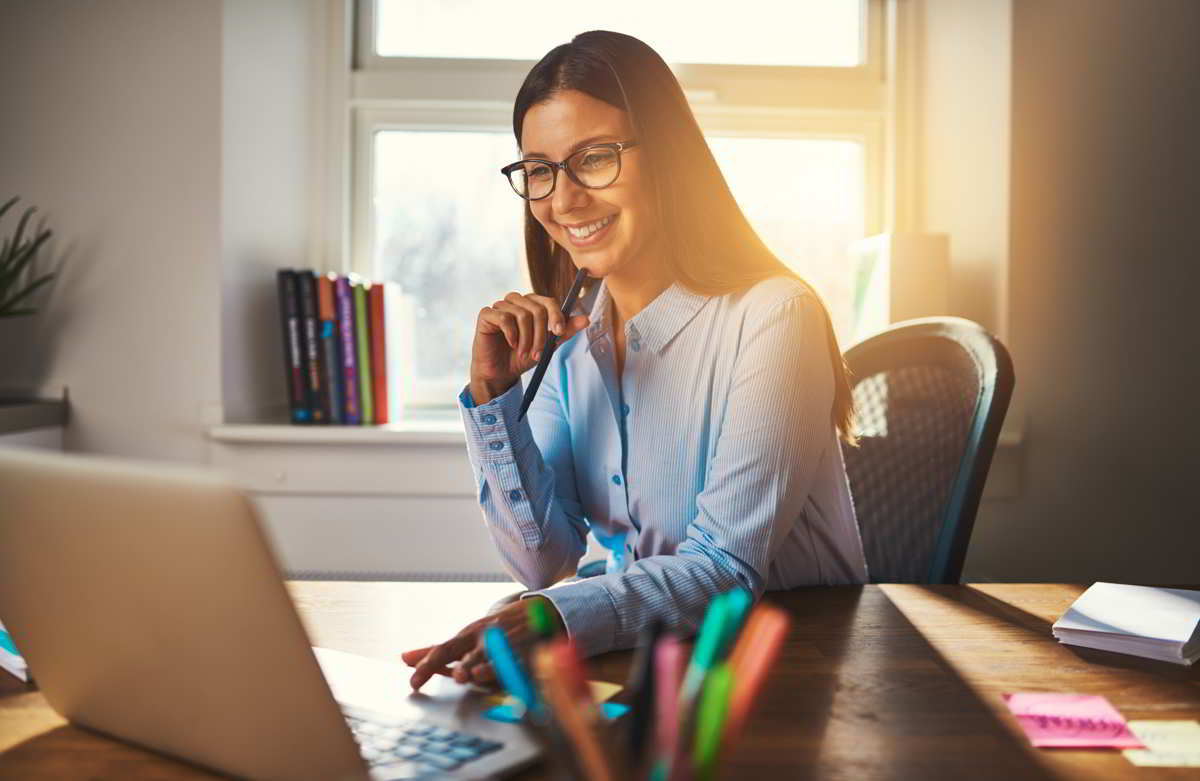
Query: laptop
(150,608)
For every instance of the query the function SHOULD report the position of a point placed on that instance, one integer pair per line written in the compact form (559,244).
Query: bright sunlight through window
(801,32)
(454,242)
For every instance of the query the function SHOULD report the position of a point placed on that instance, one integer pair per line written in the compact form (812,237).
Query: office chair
(930,395)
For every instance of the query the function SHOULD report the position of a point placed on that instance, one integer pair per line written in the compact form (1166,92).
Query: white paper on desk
(1159,622)
(1168,744)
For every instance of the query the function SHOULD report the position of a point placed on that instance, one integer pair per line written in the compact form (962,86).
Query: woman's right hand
(509,338)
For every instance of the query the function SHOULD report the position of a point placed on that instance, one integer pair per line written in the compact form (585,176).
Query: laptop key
(440,762)
(462,754)
(401,771)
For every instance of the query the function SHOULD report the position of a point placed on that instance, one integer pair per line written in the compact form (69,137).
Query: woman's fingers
(524,319)
(502,322)
(413,658)
(463,672)
(555,322)
(440,656)
(539,324)
(574,325)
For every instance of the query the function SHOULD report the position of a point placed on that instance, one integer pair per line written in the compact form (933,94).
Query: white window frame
(366,93)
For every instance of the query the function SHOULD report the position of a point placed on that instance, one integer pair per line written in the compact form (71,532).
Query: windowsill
(433,428)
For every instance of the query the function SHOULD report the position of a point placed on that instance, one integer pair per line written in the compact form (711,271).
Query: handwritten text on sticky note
(1071,721)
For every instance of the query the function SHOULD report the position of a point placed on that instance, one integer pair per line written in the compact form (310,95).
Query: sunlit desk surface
(875,682)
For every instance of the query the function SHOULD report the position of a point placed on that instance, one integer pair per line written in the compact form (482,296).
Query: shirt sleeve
(526,481)
(773,434)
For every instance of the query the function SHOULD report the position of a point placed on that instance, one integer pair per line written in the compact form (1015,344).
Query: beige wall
(111,125)
(1103,273)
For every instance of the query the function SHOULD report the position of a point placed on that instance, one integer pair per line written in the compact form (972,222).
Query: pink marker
(669,660)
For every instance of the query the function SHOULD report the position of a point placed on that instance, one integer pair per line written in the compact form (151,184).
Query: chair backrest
(930,396)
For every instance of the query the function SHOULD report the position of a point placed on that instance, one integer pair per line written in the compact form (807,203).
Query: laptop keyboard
(418,748)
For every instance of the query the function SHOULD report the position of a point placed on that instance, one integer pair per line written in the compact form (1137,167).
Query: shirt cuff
(588,613)
(493,433)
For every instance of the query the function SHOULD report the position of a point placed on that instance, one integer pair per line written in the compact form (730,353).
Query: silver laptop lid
(151,608)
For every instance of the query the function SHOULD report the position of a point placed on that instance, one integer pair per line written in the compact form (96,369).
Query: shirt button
(515,495)
(616,479)
(496,445)
(624,409)
(489,419)
(637,346)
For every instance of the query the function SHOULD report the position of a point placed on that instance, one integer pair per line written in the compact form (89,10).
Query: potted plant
(18,277)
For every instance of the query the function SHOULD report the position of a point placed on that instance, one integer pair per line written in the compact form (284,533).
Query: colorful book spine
(363,343)
(293,357)
(397,347)
(379,365)
(313,369)
(330,360)
(349,349)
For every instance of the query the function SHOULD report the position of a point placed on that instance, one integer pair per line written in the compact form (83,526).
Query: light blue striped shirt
(711,462)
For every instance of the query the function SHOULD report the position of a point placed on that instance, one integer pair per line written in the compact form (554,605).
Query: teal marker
(708,644)
(737,605)
(508,667)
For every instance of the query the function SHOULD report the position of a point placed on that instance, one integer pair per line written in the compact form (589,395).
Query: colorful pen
(710,719)
(552,340)
(508,667)
(751,662)
(641,688)
(668,672)
(570,711)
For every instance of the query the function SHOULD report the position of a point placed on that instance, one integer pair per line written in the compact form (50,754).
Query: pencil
(551,341)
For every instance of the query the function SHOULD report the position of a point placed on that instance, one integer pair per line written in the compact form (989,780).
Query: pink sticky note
(1070,721)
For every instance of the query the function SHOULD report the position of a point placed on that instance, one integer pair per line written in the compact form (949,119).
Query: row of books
(336,352)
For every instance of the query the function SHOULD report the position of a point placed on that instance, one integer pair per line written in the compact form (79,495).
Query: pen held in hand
(551,342)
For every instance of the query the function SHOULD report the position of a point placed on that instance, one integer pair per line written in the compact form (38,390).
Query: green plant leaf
(8,204)
(10,273)
(6,305)
(21,227)
(18,312)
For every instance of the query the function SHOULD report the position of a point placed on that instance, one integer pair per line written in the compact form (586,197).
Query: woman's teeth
(589,229)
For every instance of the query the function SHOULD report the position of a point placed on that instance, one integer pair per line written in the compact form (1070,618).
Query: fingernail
(558,329)
(537,356)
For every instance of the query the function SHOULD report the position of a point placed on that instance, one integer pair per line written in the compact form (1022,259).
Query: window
(797,123)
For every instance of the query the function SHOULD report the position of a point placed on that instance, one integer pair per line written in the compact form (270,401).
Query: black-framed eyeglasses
(594,167)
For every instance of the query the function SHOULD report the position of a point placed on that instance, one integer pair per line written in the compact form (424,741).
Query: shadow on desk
(861,694)
(69,752)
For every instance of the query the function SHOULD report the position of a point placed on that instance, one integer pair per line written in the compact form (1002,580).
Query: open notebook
(1158,623)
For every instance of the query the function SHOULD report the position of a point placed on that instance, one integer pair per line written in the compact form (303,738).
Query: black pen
(551,341)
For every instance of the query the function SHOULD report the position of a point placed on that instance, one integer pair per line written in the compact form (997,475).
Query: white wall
(964,70)
(111,126)
(269,64)
(1105,166)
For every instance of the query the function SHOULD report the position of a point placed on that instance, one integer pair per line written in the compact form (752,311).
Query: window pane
(750,32)
(448,229)
(806,199)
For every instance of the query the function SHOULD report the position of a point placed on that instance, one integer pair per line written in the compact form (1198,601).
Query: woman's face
(552,130)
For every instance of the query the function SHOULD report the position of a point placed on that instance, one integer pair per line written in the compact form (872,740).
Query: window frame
(377,93)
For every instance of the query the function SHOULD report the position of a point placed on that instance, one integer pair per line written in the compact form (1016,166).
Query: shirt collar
(656,325)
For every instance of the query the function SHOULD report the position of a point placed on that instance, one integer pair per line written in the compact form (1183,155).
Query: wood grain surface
(876,682)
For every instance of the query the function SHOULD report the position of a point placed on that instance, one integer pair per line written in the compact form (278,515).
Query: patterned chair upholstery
(930,396)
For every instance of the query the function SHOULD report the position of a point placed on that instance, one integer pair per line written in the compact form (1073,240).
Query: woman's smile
(589,234)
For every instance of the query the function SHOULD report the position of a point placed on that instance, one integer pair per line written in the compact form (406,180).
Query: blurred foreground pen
(551,342)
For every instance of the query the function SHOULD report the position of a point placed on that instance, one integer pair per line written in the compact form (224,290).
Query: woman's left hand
(467,646)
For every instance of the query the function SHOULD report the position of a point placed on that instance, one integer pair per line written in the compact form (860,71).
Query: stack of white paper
(10,659)
(1158,623)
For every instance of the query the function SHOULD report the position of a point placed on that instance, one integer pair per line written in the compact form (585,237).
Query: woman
(689,417)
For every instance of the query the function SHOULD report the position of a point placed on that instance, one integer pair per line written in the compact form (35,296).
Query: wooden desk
(876,682)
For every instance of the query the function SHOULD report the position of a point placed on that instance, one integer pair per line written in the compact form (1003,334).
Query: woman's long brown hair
(709,244)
